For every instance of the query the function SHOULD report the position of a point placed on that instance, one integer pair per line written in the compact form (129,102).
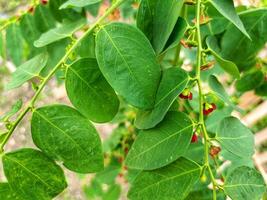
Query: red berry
(186,94)
(214,151)
(190,97)
(44,2)
(194,138)
(31,9)
(214,107)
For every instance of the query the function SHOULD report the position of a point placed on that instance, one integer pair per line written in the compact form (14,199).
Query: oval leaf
(89,92)
(157,19)
(227,65)
(227,9)
(161,145)
(174,180)
(244,183)
(28,70)
(6,192)
(173,82)
(58,33)
(235,137)
(249,81)
(62,133)
(124,56)
(33,174)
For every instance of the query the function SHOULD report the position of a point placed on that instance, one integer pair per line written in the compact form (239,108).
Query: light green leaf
(129,64)
(227,9)
(33,174)
(15,108)
(157,19)
(227,65)
(173,82)
(157,147)
(244,183)
(219,90)
(78,3)
(6,192)
(27,71)
(250,81)
(235,137)
(113,192)
(237,47)
(89,92)
(171,182)
(14,43)
(63,134)
(58,33)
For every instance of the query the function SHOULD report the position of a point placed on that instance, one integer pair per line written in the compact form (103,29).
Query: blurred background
(83,187)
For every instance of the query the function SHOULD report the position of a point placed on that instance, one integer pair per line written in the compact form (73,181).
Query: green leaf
(227,65)
(14,43)
(15,108)
(43,18)
(176,35)
(6,192)
(235,137)
(64,134)
(58,33)
(128,62)
(113,192)
(78,3)
(173,82)
(27,71)
(157,147)
(227,9)
(33,174)
(86,49)
(244,183)
(89,92)
(174,180)
(262,89)
(219,90)
(250,81)
(157,19)
(237,47)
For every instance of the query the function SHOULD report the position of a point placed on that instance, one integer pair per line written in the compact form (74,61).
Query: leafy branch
(73,46)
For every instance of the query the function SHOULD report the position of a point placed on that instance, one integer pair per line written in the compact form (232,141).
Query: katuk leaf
(63,134)
(157,147)
(78,3)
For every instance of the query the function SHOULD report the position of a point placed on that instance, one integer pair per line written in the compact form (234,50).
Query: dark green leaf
(249,81)
(237,47)
(79,3)
(173,82)
(63,134)
(157,147)
(174,180)
(43,18)
(89,92)
(58,33)
(244,183)
(33,174)
(14,42)
(27,71)
(128,62)
(157,19)
(176,35)
(235,137)
(227,9)
(262,89)
(227,65)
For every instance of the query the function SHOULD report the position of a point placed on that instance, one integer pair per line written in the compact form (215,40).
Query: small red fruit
(214,151)
(208,108)
(44,2)
(186,94)
(194,138)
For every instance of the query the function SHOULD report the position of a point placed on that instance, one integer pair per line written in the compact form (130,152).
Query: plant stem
(30,105)
(201,98)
